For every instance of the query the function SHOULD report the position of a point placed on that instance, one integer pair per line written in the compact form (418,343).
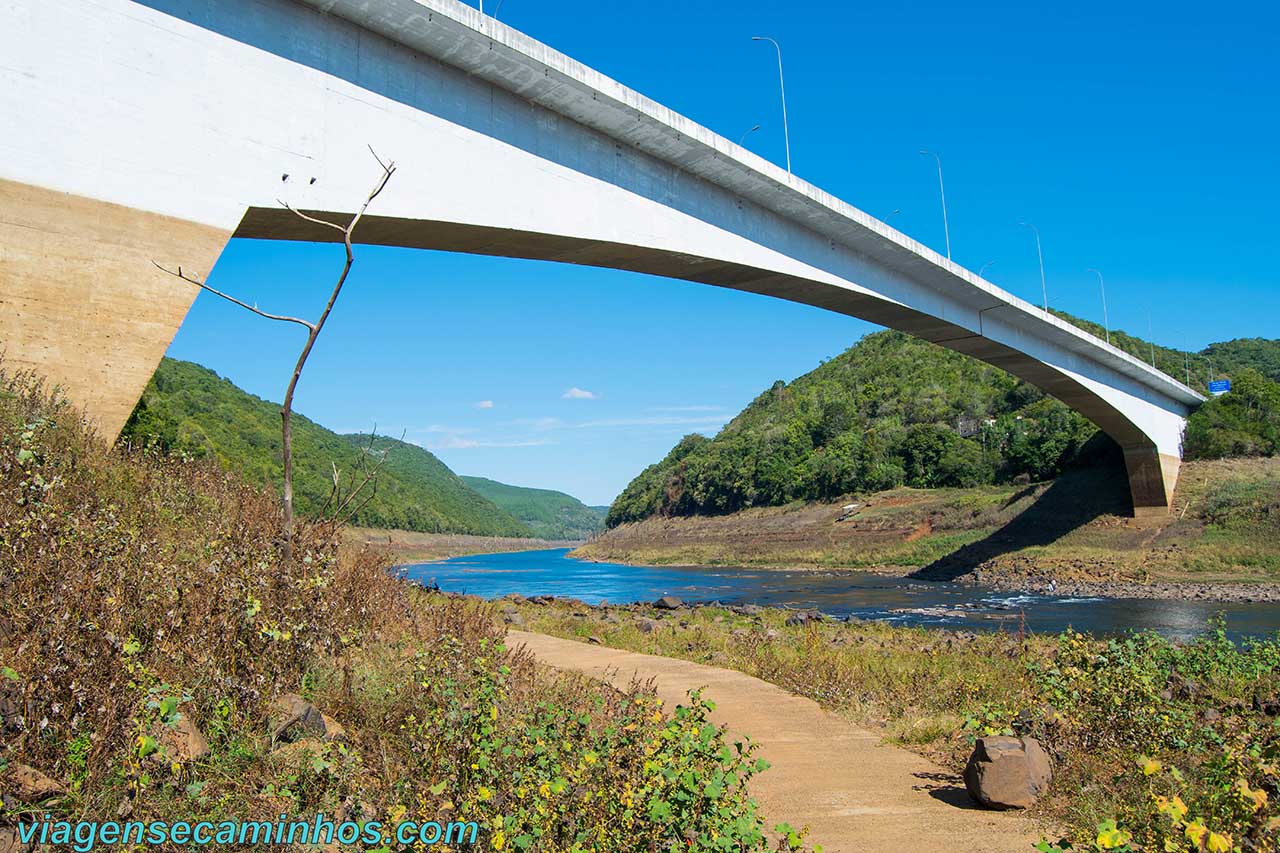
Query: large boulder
(294,718)
(668,602)
(1007,772)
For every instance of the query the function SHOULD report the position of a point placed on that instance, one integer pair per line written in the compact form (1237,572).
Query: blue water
(845,593)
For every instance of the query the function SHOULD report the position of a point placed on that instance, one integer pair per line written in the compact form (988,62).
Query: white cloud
(579,394)
(484,404)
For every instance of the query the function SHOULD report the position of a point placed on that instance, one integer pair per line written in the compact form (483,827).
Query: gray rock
(647,626)
(1007,772)
(668,602)
(294,718)
(803,617)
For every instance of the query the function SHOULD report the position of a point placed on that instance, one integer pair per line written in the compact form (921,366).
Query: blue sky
(1140,138)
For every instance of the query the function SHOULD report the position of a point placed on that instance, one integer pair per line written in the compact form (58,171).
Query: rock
(1211,715)
(513,619)
(333,730)
(28,785)
(740,632)
(294,718)
(668,602)
(541,599)
(647,626)
(803,617)
(1269,705)
(1007,772)
(746,609)
(293,754)
(9,842)
(181,742)
(771,634)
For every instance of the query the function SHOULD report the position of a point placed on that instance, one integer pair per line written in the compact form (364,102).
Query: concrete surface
(209,113)
(856,794)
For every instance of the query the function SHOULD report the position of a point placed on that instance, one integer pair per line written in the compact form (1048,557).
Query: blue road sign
(1219,386)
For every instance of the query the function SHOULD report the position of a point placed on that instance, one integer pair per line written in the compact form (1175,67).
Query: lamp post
(942,191)
(983,268)
(743,139)
(1106,324)
(782,88)
(1151,338)
(1044,290)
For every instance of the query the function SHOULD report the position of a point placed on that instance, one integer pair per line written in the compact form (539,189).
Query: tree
(313,332)
(1243,422)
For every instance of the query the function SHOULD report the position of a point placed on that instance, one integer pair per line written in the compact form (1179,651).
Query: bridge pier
(80,301)
(1152,478)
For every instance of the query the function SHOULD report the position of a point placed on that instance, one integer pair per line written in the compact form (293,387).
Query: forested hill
(895,410)
(189,408)
(548,514)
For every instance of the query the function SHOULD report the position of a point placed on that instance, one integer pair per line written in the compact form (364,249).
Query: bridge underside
(82,303)
(213,111)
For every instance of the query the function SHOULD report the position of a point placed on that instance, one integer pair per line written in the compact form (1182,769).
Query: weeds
(147,620)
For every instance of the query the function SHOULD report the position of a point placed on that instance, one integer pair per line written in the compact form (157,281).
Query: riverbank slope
(1222,539)
(408,546)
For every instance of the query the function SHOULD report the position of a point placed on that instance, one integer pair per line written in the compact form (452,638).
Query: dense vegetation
(1243,422)
(894,410)
(1156,746)
(548,514)
(889,411)
(189,409)
(148,619)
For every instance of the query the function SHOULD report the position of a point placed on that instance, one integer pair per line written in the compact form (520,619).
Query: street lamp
(1151,337)
(782,88)
(753,129)
(942,190)
(891,214)
(983,268)
(1044,290)
(1106,324)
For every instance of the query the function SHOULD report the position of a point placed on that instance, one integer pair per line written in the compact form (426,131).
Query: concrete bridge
(141,130)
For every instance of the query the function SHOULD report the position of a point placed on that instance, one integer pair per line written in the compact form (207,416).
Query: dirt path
(856,794)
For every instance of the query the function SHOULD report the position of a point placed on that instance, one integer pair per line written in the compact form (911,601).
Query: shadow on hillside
(1070,502)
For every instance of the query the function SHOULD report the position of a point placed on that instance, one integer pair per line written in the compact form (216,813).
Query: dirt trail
(855,793)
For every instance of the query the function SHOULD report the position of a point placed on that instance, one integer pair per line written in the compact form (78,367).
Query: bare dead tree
(313,332)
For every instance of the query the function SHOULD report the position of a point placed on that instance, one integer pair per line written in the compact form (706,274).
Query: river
(862,595)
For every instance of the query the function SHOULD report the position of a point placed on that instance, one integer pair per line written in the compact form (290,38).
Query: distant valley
(187,408)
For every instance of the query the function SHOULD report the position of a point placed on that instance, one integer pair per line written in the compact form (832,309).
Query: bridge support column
(1152,477)
(81,302)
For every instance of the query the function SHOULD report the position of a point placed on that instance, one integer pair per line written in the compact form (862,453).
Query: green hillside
(895,410)
(549,514)
(189,408)
(1219,361)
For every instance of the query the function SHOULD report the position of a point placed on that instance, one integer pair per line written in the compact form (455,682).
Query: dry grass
(139,592)
(1225,527)
(406,546)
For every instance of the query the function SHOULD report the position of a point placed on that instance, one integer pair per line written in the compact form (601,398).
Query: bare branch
(341,229)
(200,284)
